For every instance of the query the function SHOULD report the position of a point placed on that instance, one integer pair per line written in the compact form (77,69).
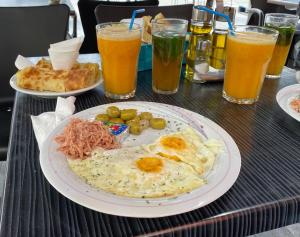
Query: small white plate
(284,97)
(225,172)
(50,94)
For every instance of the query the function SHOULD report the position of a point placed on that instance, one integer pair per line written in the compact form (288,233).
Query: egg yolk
(149,164)
(175,143)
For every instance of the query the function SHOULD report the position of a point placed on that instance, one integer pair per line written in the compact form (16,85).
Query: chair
(266,8)
(27,31)
(103,13)
(86,11)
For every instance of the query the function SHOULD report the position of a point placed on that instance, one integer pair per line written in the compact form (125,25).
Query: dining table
(265,196)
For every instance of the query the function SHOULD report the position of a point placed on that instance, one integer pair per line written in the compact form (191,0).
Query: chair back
(28,31)
(86,11)
(103,13)
(266,8)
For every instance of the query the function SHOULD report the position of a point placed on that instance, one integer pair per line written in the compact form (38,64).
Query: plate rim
(282,99)
(50,94)
(234,171)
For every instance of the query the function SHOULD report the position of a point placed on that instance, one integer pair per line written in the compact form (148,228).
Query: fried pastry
(147,28)
(42,77)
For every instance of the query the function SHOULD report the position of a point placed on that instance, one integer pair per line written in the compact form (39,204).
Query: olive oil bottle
(217,58)
(219,35)
(197,58)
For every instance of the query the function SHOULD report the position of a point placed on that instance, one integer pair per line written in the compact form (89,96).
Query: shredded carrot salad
(295,104)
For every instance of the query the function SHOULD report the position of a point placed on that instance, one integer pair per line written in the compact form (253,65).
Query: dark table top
(265,196)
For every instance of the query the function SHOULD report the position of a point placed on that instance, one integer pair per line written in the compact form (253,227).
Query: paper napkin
(298,76)
(44,123)
(64,54)
(22,62)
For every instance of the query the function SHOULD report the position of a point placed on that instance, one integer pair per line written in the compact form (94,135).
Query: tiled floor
(288,231)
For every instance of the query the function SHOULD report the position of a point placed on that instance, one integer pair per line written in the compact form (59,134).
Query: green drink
(168,49)
(168,37)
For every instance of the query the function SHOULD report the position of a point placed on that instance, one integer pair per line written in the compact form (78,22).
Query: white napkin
(298,76)
(22,62)
(44,123)
(64,54)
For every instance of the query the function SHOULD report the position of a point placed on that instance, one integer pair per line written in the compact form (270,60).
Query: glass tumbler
(248,53)
(168,38)
(285,24)
(119,50)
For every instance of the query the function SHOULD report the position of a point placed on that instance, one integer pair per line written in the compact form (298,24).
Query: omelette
(174,164)
(42,77)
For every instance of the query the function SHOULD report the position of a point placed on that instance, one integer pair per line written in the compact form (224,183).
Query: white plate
(49,94)
(284,97)
(55,167)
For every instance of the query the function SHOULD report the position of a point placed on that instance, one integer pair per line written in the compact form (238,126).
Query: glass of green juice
(285,24)
(168,38)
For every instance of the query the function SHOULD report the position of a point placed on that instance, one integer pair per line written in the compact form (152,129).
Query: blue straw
(133,16)
(216,13)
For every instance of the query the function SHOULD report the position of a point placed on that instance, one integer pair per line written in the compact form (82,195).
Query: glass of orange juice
(119,50)
(286,26)
(248,52)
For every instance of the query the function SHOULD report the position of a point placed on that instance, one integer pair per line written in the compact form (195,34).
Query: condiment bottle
(219,35)
(197,58)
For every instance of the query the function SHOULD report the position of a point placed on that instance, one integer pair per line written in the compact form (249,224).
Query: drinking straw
(133,16)
(216,13)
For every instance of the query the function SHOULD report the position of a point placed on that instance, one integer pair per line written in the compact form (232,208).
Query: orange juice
(247,58)
(119,50)
(278,59)
(281,50)
(285,24)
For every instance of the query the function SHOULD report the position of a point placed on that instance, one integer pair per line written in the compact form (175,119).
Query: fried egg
(134,172)
(189,147)
(172,165)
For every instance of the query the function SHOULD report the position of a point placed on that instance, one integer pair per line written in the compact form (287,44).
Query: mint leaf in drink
(286,33)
